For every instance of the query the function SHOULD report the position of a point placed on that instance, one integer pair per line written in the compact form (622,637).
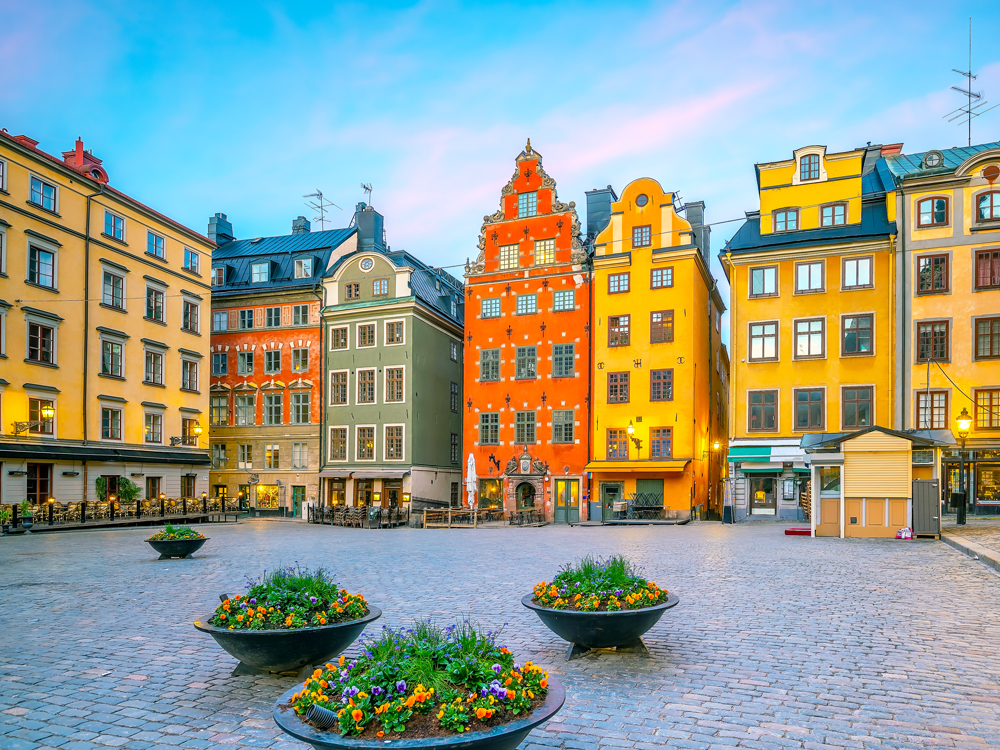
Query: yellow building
(659,367)
(102,337)
(812,275)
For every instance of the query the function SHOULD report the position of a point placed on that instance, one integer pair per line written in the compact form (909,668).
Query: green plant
(5,515)
(171,533)
(128,491)
(101,488)
(593,584)
(26,508)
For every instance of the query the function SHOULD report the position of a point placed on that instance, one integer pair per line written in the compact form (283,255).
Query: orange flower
(481,713)
(380,734)
(543,684)
(356,715)
(510,694)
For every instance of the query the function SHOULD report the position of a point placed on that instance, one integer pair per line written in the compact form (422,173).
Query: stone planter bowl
(176,547)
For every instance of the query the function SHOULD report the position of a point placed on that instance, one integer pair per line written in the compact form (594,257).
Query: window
(111,359)
(35,408)
(272,362)
(154,306)
(272,317)
(300,315)
(508,257)
(244,363)
(154,428)
(338,443)
(366,386)
(661,385)
(188,436)
(932,410)
(454,398)
(489,428)
(808,409)
(617,445)
(808,277)
(454,308)
(932,212)
(659,442)
(156,245)
(154,368)
(809,167)
(617,283)
(618,387)
(988,338)
(244,456)
(394,332)
(246,319)
(303,268)
(527,304)
(366,443)
(189,320)
(192,261)
(456,457)
(810,338)
(260,272)
(39,484)
(932,341)
(545,251)
(490,308)
(219,276)
(618,326)
(338,388)
(661,327)
(563,360)
(41,267)
(218,412)
(246,411)
(932,274)
(489,365)
(857,407)
(987,408)
(563,301)
(988,269)
(393,443)
(833,216)
(338,338)
(764,281)
(352,291)
(642,236)
(272,408)
(989,206)
(562,426)
(527,204)
(764,341)
(857,273)
(524,427)
(41,343)
(394,384)
(366,335)
(763,411)
(525,362)
(43,194)
(189,375)
(114,226)
(660,278)
(300,360)
(786,220)
(856,334)
(272,456)
(113,290)
(453,351)
(380,287)
(218,456)
(301,402)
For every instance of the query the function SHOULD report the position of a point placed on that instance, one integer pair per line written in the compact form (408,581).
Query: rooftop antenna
(974,99)
(320,204)
(367,187)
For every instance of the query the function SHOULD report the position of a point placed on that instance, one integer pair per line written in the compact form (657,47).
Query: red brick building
(527,357)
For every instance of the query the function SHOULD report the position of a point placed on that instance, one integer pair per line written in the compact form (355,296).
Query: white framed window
(395,384)
(112,358)
(153,374)
(338,443)
(219,276)
(809,277)
(303,268)
(338,387)
(300,455)
(365,386)
(42,339)
(260,272)
(111,423)
(113,289)
(338,338)
(42,266)
(272,456)
(114,226)
(273,408)
(300,315)
(38,401)
(272,317)
(3,250)
(365,335)
(192,260)
(246,409)
(365,442)
(155,303)
(395,332)
(3,339)
(44,194)
(857,273)
(453,351)
(189,321)
(392,446)
(153,428)
(244,456)
(220,320)
(3,175)
(189,375)
(508,257)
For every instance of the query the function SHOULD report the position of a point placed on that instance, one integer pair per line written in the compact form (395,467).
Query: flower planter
(286,650)
(502,737)
(182,548)
(589,630)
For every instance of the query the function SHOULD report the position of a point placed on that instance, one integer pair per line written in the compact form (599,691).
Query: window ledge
(109,376)
(799,292)
(42,208)
(189,390)
(114,239)
(42,364)
(154,320)
(847,355)
(155,385)
(932,293)
(112,307)
(188,330)
(191,271)
(856,288)
(154,256)
(52,289)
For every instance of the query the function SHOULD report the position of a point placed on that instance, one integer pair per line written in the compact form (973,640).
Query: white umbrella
(470,480)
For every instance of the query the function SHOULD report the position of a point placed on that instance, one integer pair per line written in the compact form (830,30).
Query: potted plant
(5,514)
(176,541)
(26,523)
(600,603)
(289,619)
(423,687)
(128,491)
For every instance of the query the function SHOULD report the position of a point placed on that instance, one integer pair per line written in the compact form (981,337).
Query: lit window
(508,257)
(545,251)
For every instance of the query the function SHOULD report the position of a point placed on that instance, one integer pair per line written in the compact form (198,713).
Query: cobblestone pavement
(981,531)
(779,642)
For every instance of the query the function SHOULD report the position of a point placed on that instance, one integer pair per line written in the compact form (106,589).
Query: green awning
(750,453)
(805,470)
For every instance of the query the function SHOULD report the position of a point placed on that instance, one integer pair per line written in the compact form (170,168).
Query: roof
(920,438)
(874,224)
(905,166)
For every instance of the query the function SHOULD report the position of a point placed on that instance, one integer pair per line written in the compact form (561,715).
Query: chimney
(695,213)
(220,231)
(599,209)
(371,234)
(300,225)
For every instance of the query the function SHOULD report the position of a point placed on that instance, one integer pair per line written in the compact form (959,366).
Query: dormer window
(260,272)
(809,167)
(786,220)
(303,268)
(218,276)
(527,204)
(834,215)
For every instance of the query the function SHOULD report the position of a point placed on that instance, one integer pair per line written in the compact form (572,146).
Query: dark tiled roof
(909,165)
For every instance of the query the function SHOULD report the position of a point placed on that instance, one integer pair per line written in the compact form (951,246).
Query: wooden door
(828,520)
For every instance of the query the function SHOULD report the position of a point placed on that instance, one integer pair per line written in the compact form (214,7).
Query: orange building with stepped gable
(527,375)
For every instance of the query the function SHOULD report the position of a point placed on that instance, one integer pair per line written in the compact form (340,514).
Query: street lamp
(47,413)
(195,431)
(964,422)
(635,441)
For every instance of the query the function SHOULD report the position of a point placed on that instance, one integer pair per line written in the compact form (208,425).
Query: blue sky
(244,107)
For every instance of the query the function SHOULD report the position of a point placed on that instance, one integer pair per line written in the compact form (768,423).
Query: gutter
(322,383)
(86,330)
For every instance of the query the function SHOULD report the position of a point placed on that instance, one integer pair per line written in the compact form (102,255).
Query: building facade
(393,370)
(659,365)
(527,375)
(102,340)
(267,364)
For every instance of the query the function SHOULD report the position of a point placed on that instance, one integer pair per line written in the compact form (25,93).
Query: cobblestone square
(778,642)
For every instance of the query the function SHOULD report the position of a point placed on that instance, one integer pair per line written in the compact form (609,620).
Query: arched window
(932,212)
(989,206)
(809,167)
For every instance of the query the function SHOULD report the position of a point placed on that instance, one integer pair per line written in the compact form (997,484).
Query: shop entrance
(763,496)
(298,499)
(525,496)
(611,493)
(567,501)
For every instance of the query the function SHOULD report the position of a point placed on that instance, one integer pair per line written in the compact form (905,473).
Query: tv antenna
(367,187)
(974,99)
(319,204)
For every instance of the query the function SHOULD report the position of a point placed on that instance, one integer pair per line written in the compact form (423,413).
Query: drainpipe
(322,382)
(86,330)
(590,386)
(904,393)
(711,399)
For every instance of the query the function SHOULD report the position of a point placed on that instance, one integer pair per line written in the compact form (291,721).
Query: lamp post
(635,441)
(47,413)
(52,502)
(964,421)
(163,504)
(204,502)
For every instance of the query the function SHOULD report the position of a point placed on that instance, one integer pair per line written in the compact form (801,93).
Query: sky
(245,107)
